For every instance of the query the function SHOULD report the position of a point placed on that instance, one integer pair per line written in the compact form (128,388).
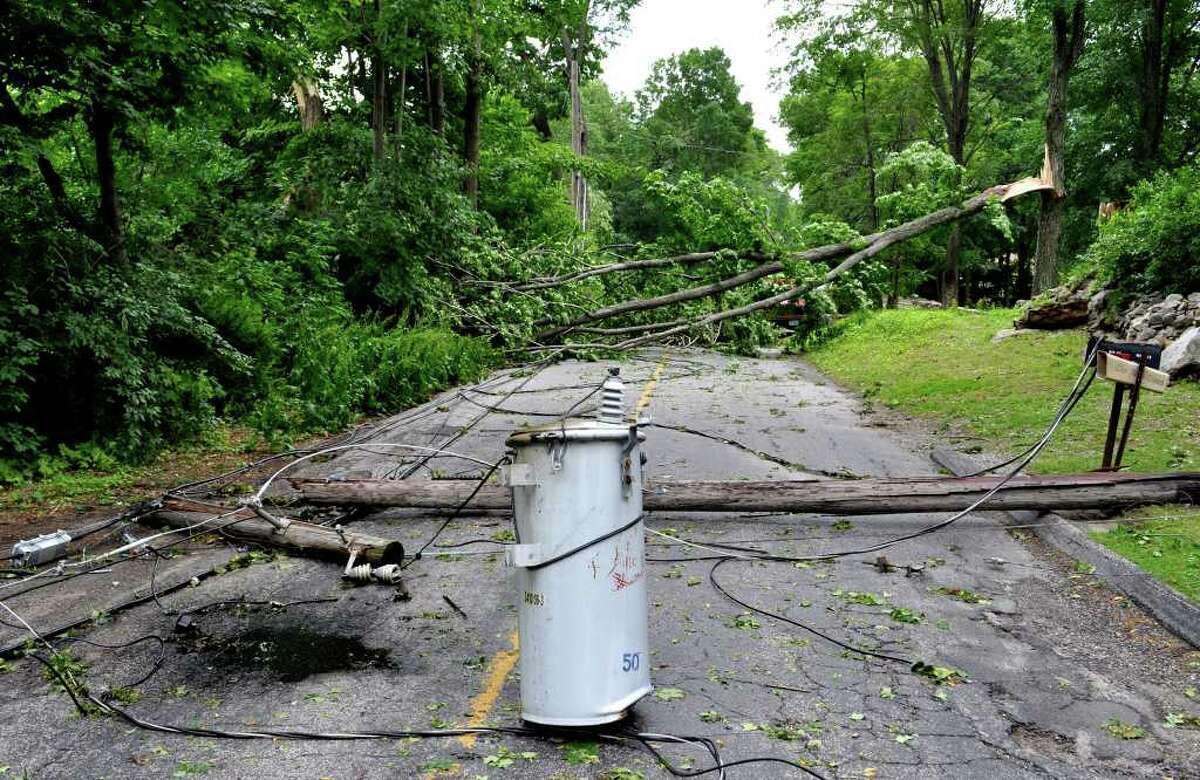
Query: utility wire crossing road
(1044,672)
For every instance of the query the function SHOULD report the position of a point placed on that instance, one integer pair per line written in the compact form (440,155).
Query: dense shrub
(1153,245)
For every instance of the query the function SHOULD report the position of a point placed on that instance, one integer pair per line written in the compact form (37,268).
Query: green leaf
(581,752)
(669,694)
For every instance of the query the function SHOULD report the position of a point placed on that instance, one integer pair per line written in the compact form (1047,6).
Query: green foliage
(692,111)
(698,214)
(1153,245)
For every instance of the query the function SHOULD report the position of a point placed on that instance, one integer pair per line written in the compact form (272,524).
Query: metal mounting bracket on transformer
(1131,366)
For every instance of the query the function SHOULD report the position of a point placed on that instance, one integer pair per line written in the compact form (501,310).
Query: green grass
(1162,540)
(941,365)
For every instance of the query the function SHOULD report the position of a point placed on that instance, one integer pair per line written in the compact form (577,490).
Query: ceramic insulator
(612,399)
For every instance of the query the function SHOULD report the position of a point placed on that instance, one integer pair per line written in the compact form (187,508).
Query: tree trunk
(1068,45)
(875,244)
(473,108)
(950,273)
(894,301)
(1154,84)
(1023,277)
(436,92)
(400,99)
(308,103)
(298,536)
(872,195)
(579,187)
(378,97)
(101,126)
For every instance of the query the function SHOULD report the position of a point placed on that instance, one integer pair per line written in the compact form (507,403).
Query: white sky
(743,28)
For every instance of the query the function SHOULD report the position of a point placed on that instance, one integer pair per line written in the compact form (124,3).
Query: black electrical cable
(470,542)
(646,740)
(1077,392)
(591,543)
(457,511)
(514,412)
(396,473)
(712,578)
(1065,408)
(1028,458)
(158,662)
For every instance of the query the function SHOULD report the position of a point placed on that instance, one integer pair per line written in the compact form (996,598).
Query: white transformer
(580,567)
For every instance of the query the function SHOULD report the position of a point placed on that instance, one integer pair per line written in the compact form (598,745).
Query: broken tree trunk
(854,253)
(827,497)
(690,258)
(299,535)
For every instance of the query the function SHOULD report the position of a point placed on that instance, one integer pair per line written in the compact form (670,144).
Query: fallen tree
(828,497)
(854,253)
(691,258)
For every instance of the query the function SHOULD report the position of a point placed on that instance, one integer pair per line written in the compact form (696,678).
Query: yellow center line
(648,390)
(498,669)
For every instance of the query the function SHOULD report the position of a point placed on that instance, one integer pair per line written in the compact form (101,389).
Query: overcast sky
(743,28)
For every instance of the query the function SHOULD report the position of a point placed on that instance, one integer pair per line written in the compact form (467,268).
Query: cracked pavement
(1051,654)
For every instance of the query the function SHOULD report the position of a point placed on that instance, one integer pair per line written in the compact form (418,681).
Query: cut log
(299,535)
(826,497)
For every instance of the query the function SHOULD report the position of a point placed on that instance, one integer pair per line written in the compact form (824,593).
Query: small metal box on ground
(580,568)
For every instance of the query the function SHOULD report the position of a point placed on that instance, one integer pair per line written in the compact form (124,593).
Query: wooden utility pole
(573,51)
(826,497)
(473,106)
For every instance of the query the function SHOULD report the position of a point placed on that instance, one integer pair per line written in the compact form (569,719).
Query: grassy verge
(78,491)
(942,366)
(1163,540)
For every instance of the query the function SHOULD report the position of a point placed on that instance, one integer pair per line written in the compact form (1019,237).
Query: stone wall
(1161,320)
(1171,321)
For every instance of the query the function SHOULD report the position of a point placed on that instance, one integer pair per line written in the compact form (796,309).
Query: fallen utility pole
(827,497)
(299,535)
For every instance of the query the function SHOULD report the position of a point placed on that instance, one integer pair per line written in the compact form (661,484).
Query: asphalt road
(1063,677)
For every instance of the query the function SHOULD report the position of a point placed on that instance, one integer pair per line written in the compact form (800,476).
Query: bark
(630,265)
(692,293)
(308,103)
(398,106)
(949,52)
(875,245)
(1023,281)
(298,536)
(378,94)
(1068,41)
(436,91)
(472,108)
(1154,83)
(872,195)
(950,274)
(101,127)
(828,497)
